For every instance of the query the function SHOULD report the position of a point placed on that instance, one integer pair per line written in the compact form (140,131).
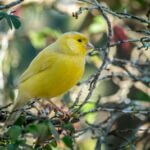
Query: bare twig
(12,4)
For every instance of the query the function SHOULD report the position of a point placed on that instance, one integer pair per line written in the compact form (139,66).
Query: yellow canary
(53,71)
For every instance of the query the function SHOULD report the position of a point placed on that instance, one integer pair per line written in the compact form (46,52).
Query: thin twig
(12,4)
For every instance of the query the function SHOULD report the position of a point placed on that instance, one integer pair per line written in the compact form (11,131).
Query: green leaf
(12,20)
(48,147)
(3,148)
(20,142)
(91,116)
(69,127)
(141,2)
(15,21)
(51,146)
(2,15)
(98,25)
(9,21)
(39,38)
(32,128)
(20,121)
(53,131)
(53,143)
(14,132)
(68,141)
(11,147)
(139,95)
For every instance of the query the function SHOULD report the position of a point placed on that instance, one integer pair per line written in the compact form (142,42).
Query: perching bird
(53,71)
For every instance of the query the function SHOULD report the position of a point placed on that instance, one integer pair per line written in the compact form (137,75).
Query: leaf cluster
(45,134)
(12,20)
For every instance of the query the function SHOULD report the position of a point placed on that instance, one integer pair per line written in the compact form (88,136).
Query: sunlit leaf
(86,108)
(39,38)
(98,25)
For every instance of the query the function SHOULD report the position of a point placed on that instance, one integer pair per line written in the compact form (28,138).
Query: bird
(54,71)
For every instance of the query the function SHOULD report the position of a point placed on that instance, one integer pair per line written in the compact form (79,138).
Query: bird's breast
(67,74)
(56,80)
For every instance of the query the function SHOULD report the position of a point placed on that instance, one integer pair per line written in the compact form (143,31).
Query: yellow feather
(54,70)
(52,82)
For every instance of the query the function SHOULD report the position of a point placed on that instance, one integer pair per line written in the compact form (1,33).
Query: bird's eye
(79,40)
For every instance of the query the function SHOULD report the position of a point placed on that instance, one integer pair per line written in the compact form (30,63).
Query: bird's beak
(89,46)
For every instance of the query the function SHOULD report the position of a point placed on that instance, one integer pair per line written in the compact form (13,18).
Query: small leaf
(15,21)
(48,147)
(12,20)
(32,128)
(9,21)
(91,116)
(98,25)
(14,132)
(2,15)
(53,143)
(68,141)
(53,131)
(11,147)
(138,95)
(20,121)
(69,126)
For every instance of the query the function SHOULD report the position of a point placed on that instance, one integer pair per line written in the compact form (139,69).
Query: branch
(12,4)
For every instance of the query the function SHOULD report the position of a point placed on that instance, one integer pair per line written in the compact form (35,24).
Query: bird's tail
(16,110)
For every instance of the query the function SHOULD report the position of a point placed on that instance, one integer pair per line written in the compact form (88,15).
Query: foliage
(12,20)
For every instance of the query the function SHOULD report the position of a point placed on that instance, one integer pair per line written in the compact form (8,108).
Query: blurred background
(43,21)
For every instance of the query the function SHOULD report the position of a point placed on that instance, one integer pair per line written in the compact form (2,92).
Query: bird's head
(74,43)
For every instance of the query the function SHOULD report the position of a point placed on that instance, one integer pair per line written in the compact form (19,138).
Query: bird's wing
(44,60)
